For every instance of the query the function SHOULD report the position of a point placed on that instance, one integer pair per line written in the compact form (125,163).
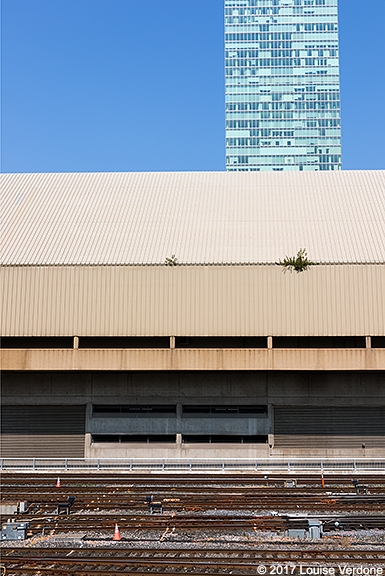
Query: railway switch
(13,507)
(363,490)
(315,529)
(360,489)
(156,508)
(290,483)
(22,507)
(66,506)
(14,530)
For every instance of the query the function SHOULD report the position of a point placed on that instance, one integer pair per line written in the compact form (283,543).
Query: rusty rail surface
(279,523)
(169,561)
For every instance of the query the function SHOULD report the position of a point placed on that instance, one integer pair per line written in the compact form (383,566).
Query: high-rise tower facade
(282,85)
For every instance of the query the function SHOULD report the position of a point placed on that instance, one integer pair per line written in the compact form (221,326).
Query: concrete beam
(194,359)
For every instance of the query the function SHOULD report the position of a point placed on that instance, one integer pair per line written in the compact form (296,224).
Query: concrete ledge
(193,359)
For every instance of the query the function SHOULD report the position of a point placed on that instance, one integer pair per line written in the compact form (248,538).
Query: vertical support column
(76,342)
(269,342)
(270,436)
(172,342)
(178,431)
(368,340)
(87,435)
(87,445)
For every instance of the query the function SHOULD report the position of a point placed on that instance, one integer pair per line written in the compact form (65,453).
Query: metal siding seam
(110,318)
(377,302)
(362,319)
(190,295)
(13,278)
(235,300)
(122,297)
(125,289)
(25,310)
(281,306)
(88,302)
(153,308)
(6,310)
(214,285)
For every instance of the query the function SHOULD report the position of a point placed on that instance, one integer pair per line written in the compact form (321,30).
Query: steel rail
(205,565)
(272,554)
(192,477)
(278,523)
(196,491)
(171,560)
(179,562)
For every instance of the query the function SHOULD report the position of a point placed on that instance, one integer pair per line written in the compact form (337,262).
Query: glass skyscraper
(282,85)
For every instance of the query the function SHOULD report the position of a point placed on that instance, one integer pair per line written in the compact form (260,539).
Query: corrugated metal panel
(329,427)
(193,301)
(219,217)
(42,431)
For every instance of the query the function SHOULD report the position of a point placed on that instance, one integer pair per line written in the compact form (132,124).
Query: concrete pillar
(172,342)
(368,342)
(87,445)
(269,342)
(76,342)
(270,436)
(179,446)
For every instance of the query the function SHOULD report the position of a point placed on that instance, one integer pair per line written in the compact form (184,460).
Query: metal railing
(194,465)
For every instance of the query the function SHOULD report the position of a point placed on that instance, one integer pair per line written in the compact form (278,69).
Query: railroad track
(102,523)
(286,503)
(87,523)
(196,561)
(166,479)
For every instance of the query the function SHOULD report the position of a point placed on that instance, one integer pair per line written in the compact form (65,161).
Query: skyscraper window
(282,85)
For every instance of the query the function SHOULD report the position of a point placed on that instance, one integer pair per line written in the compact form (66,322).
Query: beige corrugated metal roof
(201,217)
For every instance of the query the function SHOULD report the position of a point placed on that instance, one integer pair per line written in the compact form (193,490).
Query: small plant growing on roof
(299,263)
(172,261)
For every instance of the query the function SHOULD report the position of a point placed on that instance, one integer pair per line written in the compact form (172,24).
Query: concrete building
(282,85)
(107,351)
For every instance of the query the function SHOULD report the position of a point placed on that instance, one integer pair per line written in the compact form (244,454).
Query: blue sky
(138,85)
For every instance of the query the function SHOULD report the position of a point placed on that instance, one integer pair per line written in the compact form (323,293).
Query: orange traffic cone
(58,485)
(117,535)
(322,481)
